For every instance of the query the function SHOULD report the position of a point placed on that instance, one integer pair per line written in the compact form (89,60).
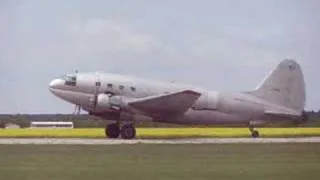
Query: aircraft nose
(56,84)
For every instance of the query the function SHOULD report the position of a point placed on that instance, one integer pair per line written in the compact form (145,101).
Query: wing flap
(172,103)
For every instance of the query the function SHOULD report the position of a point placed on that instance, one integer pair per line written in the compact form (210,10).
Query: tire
(128,131)
(255,134)
(112,131)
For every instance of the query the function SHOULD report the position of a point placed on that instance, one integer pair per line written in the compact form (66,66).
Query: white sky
(226,45)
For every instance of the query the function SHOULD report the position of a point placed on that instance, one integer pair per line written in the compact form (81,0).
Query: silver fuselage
(211,108)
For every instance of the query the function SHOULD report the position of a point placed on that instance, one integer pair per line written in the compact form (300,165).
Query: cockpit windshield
(70,79)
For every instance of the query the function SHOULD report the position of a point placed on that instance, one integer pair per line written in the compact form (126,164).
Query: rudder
(284,86)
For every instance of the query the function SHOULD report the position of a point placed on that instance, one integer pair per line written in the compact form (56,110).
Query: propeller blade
(77,110)
(96,93)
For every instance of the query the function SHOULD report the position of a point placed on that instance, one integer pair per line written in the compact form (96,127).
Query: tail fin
(284,86)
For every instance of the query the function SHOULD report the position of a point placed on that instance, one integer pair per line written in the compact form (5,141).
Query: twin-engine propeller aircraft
(125,99)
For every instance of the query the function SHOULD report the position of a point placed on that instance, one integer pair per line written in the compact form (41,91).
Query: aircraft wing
(167,104)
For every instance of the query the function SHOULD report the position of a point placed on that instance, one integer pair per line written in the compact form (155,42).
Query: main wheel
(255,134)
(128,131)
(112,131)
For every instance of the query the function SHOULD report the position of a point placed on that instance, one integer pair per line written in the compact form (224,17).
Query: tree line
(87,121)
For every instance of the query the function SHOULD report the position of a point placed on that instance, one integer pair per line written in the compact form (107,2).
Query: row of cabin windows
(121,87)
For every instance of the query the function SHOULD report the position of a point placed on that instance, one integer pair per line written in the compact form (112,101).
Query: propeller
(96,93)
(77,108)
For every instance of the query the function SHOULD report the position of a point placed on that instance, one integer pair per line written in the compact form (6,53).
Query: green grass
(232,161)
(162,132)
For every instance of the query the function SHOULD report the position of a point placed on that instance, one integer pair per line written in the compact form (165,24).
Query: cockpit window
(70,80)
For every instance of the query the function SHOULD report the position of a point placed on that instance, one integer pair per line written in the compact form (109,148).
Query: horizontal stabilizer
(168,104)
(283,114)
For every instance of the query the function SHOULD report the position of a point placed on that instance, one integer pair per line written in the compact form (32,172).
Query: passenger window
(133,89)
(109,85)
(98,84)
(121,87)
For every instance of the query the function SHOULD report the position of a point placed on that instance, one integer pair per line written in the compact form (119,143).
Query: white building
(11,126)
(51,124)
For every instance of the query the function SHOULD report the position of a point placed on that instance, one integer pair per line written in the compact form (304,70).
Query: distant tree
(2,124)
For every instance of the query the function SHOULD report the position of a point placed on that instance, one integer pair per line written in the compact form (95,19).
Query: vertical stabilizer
(284,86)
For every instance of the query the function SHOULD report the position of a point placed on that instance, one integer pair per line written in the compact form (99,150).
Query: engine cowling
(113,102)
(103,101)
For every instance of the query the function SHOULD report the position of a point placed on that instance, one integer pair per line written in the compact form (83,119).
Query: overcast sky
(226,45)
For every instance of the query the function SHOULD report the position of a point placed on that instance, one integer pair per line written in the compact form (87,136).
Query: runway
(79,141)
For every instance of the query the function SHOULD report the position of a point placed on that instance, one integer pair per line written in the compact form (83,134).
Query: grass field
(169,162)
(163,132)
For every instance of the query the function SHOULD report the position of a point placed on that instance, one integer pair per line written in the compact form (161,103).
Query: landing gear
(127,131)
(254,133)
(112,131)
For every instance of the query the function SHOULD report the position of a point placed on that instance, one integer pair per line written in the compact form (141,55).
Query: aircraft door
(201,103)
(207,101)
(212,100)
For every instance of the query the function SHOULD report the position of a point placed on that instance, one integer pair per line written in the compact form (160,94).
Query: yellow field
(162,132)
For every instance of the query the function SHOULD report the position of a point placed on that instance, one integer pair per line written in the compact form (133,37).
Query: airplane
(125,99)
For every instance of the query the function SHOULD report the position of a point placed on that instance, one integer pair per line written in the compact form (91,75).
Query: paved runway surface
(157,141)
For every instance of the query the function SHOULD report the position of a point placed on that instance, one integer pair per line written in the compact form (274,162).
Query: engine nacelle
(112,103)
(103,101)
